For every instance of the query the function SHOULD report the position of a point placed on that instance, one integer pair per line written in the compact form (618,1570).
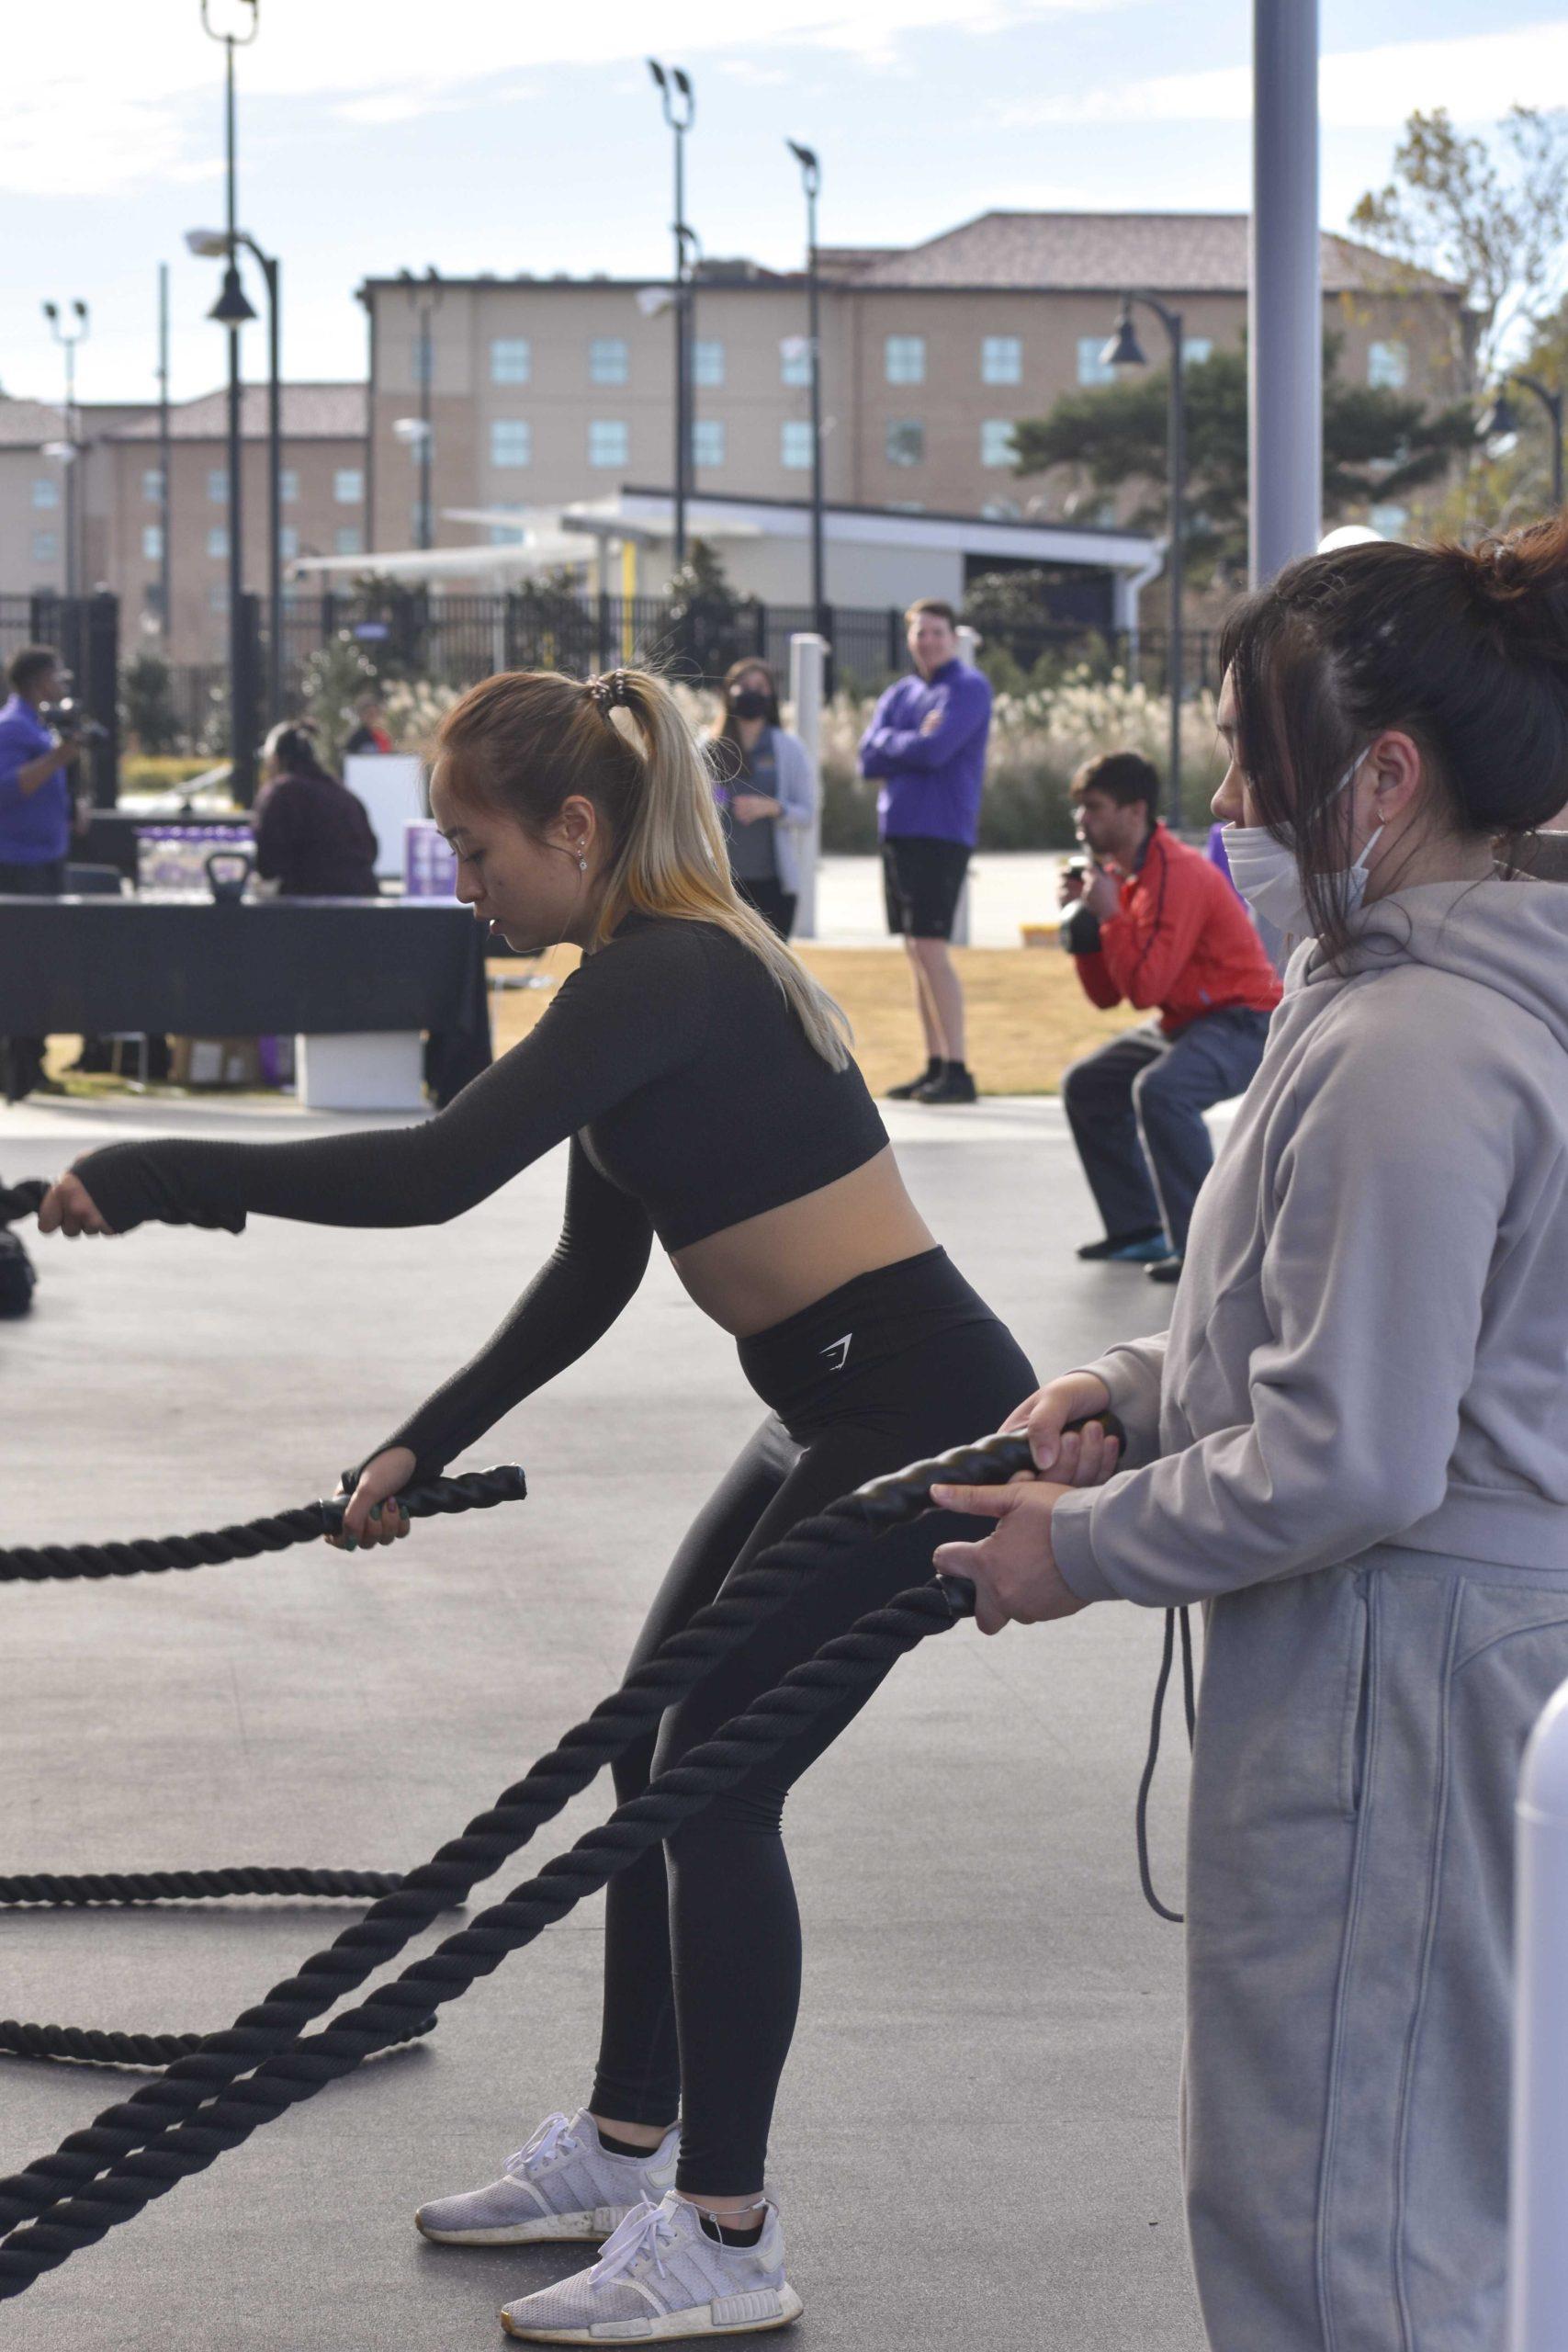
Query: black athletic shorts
(922,879)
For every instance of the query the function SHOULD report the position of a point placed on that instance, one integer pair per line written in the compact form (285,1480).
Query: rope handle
(21,1200)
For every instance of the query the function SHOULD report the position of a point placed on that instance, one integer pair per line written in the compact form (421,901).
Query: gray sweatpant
(1350,1901)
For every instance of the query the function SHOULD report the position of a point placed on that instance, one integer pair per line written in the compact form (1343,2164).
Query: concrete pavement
(976,2144)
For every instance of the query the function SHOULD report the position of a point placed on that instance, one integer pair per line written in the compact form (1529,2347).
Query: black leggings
(702,1977)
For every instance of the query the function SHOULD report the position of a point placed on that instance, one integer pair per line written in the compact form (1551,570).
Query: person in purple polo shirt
(927,741)
(36,812)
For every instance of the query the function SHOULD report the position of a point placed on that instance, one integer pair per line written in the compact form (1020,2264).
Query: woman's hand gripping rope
(1014,1570)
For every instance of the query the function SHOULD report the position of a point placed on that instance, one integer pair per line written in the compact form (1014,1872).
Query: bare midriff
(763,1270)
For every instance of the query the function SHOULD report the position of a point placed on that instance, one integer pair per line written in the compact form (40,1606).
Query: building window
(1001,359)
(1093,366)
(152,542)
(1001,510)
(609,361)
(609,442)
(46,546)
(288,543)
(906,442)
(218,540)
(1388,366)
(1389,520)
(708,441)
(153,486)
(795,359)
(997,442)
(348,539)
(511,359)
(348,486)
(288,486)
(795,443)
(1196,348)
(217,487)
(511,441)
(904,358)
(46,491)
(218,600)
(708,362)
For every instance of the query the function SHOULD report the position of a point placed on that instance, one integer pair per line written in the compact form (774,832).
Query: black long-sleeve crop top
(693,1099)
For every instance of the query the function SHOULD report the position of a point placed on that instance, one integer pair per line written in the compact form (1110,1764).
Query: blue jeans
(1137,1107)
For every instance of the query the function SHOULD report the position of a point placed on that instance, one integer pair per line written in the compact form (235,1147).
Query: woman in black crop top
(709,1097)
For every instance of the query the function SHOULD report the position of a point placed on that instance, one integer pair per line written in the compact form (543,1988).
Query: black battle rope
(20,1199)
(475,1491)
(469,1490)
(154,2112)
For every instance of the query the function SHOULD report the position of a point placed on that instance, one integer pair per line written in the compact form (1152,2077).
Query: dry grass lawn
(1028,1017)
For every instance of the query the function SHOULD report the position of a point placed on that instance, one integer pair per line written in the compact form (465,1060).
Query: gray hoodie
(1370,1339)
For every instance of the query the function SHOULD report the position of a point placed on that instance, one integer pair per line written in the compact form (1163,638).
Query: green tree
(1377,445)
(1493,217)
(147,704)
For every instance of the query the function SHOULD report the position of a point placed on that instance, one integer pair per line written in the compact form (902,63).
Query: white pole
(1285,308)
(968,651)
(1538,2242)
(808,658)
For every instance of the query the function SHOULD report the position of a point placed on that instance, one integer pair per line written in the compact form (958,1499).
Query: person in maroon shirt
(313,838)
(1155,924)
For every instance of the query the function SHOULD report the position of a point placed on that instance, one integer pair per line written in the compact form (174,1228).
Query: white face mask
(1264,870)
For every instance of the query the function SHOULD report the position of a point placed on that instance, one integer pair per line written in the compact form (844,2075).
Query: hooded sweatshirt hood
(1507,934)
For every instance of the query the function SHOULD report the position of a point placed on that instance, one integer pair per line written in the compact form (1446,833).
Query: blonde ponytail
(528,740)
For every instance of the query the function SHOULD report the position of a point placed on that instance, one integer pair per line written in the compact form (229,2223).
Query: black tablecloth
(105,966)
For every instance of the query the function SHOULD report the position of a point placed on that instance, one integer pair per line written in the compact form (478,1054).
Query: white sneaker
(662,2277)
(564,2185)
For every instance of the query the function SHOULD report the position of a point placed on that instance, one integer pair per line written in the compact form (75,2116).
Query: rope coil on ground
(181,2124)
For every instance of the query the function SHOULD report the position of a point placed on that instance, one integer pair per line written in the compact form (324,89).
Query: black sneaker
(954,1085)
(1126,1248)
(1164,1269)
(928,1077)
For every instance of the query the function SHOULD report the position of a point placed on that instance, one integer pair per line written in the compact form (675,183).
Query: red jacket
(1182,940)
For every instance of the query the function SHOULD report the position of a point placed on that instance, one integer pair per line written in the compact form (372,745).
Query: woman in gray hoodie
(1352,1446)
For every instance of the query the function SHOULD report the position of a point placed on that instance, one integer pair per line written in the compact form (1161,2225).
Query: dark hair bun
(1518,582)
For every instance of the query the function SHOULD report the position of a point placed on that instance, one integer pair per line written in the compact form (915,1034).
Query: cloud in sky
(1477,76)
(135,90)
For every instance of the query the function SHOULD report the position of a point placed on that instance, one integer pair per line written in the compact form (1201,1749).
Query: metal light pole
(1285,297)
(1499,424)
(68,334)
(1124,350)
(811,180)
(232,311)
(679,111)
(213,244)
(165,560)
(424,294)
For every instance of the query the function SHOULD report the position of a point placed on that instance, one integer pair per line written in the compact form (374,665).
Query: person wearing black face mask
(767,794)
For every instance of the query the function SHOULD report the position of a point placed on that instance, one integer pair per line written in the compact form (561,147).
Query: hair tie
(605,691)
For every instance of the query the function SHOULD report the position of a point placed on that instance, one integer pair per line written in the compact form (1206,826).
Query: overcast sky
(504,135)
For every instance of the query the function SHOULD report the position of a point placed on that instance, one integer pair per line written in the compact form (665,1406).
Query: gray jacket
(1370,1339)
(797,796)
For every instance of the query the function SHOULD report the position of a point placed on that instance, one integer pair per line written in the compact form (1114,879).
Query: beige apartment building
(548,392)
(121,480)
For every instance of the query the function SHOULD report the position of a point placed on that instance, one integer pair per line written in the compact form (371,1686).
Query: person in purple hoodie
(926,742)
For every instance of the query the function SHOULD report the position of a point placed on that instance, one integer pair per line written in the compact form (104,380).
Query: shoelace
(646,2229)
(553,2138)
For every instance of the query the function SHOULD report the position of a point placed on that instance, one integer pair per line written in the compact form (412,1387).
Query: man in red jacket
(1154,923)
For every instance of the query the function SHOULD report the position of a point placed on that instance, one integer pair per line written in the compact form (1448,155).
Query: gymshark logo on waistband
(837,1349)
